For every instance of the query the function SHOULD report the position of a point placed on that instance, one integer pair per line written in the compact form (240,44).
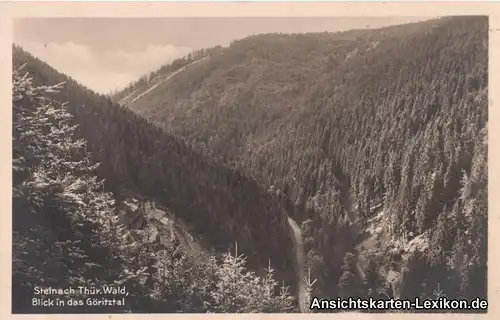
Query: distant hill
(377,136)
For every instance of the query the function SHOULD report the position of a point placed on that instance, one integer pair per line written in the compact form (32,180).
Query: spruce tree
(60,202)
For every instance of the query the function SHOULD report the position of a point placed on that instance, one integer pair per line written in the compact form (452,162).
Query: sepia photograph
(250,164)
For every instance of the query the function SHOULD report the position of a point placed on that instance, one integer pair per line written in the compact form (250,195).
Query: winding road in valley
(299,256)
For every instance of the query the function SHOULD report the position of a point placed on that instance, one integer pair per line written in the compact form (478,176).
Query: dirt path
(299,255)
(164,80)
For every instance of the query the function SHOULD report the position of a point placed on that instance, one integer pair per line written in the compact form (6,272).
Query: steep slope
(159,80)
(222,205)
(147,81)
(389,122)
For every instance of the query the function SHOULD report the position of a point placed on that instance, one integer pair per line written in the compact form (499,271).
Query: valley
(285,166)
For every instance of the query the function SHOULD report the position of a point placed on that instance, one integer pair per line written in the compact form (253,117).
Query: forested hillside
(67,231)
(378,138)
(134,89)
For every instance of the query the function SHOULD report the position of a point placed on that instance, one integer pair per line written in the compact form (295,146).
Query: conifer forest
(253,177)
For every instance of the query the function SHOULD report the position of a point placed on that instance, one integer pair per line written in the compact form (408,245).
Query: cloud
(106,70)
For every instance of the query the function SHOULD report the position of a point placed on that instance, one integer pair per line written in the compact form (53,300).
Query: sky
(106,54)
